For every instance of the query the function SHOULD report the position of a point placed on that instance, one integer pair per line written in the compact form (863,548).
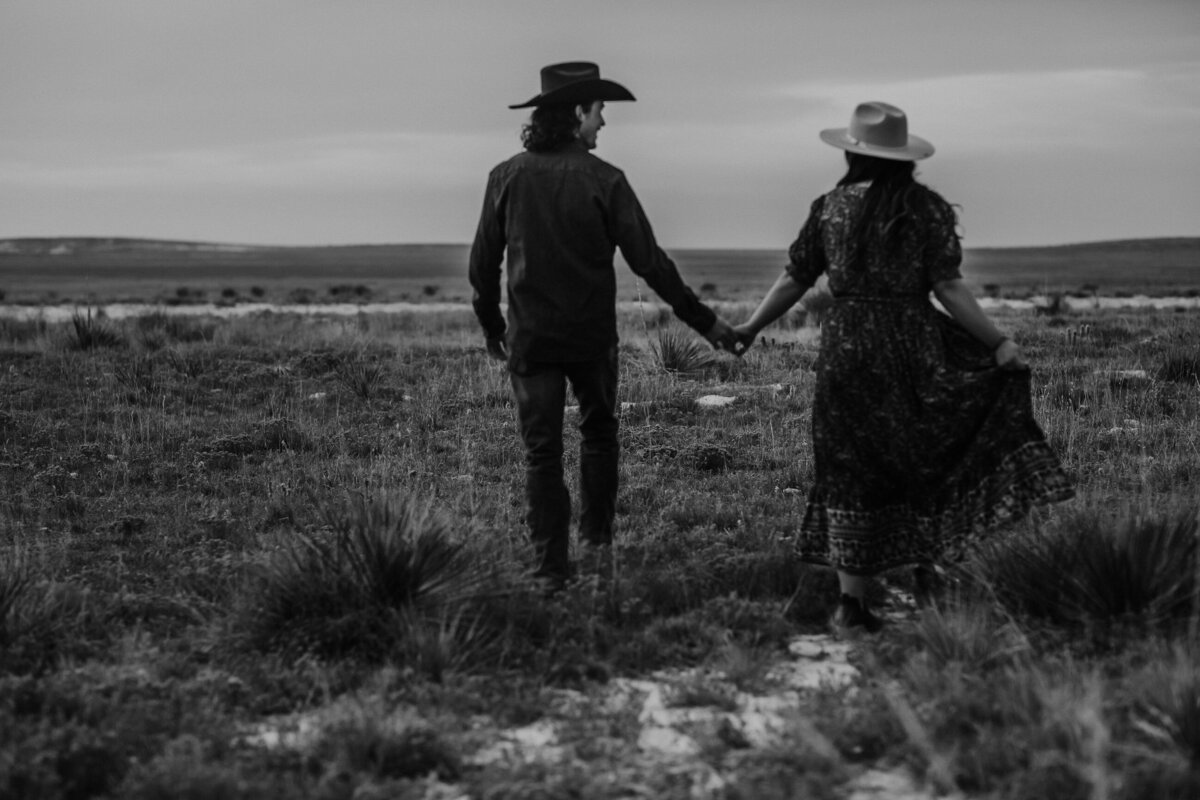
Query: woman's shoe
(852,612)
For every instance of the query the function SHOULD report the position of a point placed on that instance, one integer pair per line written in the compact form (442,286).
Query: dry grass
(207,524)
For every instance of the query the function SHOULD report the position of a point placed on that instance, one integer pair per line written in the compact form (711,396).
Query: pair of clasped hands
(734,339)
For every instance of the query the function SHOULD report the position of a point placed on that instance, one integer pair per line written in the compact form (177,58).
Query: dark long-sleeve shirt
(561,215)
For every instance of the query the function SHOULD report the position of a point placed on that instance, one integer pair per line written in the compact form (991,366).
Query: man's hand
(496,348)
(721,335)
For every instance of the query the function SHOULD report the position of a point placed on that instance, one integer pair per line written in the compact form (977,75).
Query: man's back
(553,211)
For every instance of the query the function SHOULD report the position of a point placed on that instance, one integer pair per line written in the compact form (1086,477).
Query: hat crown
(556,76)
(879,125)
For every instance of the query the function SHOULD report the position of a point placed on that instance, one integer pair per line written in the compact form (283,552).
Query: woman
(923,429)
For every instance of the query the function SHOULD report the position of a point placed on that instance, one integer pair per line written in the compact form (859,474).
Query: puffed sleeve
(806,256)
(943,251)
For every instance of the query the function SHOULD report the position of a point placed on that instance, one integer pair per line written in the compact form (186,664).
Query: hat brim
(916,149)
(580,92)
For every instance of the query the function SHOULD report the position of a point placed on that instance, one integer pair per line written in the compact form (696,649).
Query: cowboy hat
(575,82)
(880,130)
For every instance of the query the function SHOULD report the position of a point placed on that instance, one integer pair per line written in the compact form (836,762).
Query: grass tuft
(968,634)
(681,353)
(1094,568)
(92,332)
(1181,366)
(364,586)
(361,376)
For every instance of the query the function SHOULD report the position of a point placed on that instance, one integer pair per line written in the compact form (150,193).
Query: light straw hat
(880,130)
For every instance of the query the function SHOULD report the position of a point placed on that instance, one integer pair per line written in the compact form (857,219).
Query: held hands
(734,339)
(721,336)
(745,337)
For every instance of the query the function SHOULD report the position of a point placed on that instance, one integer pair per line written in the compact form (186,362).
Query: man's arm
(487,254)
(633,235)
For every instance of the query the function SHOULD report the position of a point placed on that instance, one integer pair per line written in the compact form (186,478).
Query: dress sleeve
(943,251)
(806,256)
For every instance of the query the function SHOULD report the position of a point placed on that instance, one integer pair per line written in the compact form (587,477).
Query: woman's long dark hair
(892,203)
(550,127)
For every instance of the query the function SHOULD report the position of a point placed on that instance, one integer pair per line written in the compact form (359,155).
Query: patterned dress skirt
(921,444)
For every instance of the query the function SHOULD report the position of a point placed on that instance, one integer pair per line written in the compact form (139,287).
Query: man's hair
(894,199)
(551,127)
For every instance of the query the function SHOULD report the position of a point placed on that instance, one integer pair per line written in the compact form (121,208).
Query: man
(561,213)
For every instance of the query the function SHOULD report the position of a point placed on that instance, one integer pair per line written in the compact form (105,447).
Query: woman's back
(924,250)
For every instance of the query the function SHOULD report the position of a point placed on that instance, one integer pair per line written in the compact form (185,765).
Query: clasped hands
(734,339)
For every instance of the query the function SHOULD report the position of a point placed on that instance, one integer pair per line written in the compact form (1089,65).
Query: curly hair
(894,199)
(551,127)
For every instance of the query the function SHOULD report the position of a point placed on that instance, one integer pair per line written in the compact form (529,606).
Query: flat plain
(103,270)
(283,556)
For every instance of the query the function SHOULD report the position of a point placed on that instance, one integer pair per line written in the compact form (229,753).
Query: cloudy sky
(373,121)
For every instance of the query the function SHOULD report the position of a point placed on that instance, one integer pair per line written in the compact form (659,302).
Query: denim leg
(540,391)
(595,386)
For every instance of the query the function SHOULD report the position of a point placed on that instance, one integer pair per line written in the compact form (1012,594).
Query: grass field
(283,556)
(105,270)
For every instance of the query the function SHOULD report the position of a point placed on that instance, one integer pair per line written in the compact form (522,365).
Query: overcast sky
(365,121)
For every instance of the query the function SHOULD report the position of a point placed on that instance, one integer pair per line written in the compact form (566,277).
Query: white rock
(715,401)
(667,742)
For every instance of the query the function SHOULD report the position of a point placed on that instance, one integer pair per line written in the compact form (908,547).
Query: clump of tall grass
(21,331)
(1167,712)
(90,332)
(157,329)
(970,634)
(1181,366)
(1094,568)
(36,615)
(138,376)
(681,353)
(383,570)
(360,376)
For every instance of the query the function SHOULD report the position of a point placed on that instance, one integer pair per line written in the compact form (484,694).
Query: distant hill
(31,265)
(83,245)
(1148,265)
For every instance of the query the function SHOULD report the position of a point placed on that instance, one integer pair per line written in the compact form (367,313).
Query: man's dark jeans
(540,390)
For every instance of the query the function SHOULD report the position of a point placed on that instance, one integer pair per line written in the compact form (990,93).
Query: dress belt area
(890,300)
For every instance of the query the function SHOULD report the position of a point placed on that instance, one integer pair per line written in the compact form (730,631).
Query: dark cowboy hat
(575,82)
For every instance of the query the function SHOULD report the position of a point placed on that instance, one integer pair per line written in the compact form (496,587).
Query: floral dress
(920,442)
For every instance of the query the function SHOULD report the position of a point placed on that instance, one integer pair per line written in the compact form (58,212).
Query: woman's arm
(958,300)
(784,294)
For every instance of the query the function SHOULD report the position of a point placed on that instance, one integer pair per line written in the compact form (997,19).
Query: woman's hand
(1008,355)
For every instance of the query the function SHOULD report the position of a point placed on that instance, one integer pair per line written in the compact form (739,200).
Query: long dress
(921,444)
